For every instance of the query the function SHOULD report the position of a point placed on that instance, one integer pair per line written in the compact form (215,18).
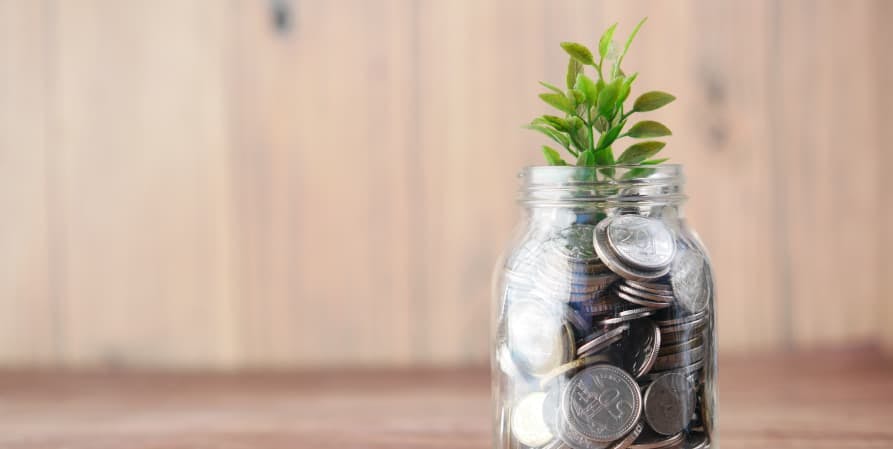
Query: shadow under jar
(604,316)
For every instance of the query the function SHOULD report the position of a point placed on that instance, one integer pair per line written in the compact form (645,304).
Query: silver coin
(601,305)
(535,335)
(681,320)
(627,315)
(639,350)
(679,359)
(687,327)
(603,346)
(613,261)
(682,346)
(570,367)
(659,289)
(602,402)
(686,370)
(626,441)
(651,440)
(575,439)
(644,294)
(690,281)
(669,403)
(528,425)
(646,243)
(575,242)
(556,444)
(599,338)
(641,301)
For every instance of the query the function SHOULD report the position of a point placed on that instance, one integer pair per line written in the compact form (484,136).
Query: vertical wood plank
(827,149)
(478,64)
(140,130)
(882,35)
(26,308)
(324,110)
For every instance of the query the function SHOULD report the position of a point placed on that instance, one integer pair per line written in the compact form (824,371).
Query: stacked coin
(604,327)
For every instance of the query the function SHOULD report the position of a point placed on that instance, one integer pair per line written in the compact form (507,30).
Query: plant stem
(589,127)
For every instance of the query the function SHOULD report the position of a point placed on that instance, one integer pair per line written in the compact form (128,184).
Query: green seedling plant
(592,112)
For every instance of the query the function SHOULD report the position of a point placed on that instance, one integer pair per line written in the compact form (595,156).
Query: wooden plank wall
(304,182)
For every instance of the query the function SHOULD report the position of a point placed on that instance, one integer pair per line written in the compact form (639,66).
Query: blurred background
(308,183)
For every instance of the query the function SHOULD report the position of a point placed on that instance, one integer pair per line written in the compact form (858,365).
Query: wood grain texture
(140,135)
(236,184)
(837,399)
(27,310)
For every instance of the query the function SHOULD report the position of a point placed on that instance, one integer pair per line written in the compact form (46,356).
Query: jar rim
(550,184)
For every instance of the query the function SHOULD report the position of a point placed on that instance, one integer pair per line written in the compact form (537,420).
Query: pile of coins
(604,332)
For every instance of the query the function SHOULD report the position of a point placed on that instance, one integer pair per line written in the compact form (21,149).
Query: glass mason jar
(603,331)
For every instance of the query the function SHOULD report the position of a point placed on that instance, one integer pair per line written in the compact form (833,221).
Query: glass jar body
(603,330)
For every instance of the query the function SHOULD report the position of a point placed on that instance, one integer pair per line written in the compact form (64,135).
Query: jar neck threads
(603,187)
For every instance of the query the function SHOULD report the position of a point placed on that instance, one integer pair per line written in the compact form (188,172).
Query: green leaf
(625,87)
(607,101)
(558,123)
(557,136)
(601,124)
(650,101)
(552,87)
(573,69)
(605,41)
(586,159)
(629,42)
(577,96)
(648,128)
(552,156)
(609,137)
(559,101)
(579,133)
(604,156)
(655,161)
(578,52)
(588,87)
(640,152)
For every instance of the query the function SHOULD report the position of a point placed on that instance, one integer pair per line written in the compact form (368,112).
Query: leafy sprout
(592,114)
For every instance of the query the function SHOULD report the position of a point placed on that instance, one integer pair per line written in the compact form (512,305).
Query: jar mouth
(620,184)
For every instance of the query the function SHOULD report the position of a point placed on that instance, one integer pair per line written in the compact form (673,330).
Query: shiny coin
(651,440)
(613,261)
(641,301)
(552,405)
(626,441)
(535,335)
(690,281)
(602,403)
(645,243)
(680,320)
(627,315)
(605,345)
(644,294)
(575,242)
(679,359)
(669,403)
(659,289)
(682,346)
(640,347)
(571,366)
(528,425)
(598,339)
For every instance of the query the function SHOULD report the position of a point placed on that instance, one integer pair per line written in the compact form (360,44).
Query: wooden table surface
(815,400)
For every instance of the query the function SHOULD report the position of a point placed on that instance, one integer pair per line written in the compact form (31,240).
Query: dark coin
(669,403)
(602,403)
(695,440)
(639,350)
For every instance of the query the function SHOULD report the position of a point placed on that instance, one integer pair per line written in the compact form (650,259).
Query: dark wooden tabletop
(809,400)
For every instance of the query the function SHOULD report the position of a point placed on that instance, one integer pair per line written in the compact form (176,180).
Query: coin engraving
(644,242)
(689,278)
(602,403)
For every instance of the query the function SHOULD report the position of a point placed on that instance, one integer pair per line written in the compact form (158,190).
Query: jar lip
(554,184)
(623,174)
